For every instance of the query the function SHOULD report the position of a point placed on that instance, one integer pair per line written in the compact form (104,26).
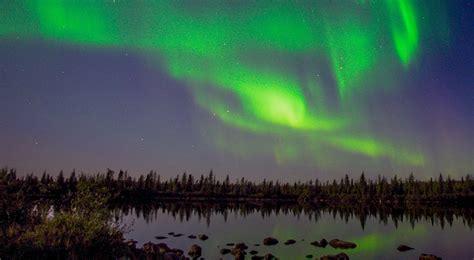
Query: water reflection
(184,211)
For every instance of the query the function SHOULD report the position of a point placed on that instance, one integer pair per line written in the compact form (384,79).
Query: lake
(445,233)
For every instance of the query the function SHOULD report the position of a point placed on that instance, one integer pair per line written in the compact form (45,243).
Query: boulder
(238,254)
(177,251)
(337,243)
(230,244)
(192,236)
(241,246)
(269,257)
(253,252)
(429,257)
(195,251)
(270,241)
(323,242)
(403,248)
(237,251)
(203,237)
(177,235)
(290,242)
(309,256)
(162,248)
(161,237)
(340,256)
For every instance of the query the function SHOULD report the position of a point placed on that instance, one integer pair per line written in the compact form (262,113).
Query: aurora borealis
(251,88)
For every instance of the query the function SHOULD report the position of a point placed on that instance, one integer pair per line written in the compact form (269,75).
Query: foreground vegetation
(73,217)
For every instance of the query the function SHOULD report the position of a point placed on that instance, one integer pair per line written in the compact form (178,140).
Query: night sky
(256,89)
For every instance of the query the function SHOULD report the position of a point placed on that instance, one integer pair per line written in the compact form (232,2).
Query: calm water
(377,235)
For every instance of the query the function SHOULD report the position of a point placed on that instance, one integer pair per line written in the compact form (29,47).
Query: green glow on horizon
(212,50)
(376,149)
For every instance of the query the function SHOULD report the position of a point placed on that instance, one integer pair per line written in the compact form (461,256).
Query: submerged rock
(429,257)
(340,256)
(195,251)
(337,243)
(270,241)
(403,248)
(322,243)
(203,237)
(290,242)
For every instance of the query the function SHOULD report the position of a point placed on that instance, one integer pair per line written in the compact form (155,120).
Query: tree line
(123,186)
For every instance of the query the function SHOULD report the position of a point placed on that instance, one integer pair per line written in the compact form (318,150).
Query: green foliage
(82,230)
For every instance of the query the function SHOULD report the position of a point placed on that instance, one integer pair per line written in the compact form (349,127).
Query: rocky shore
(239,251)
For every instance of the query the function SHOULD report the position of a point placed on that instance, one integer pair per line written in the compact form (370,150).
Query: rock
(161,237)
(225,251)
(238,254)
(177,235)
(178,252)
(192,236)
(256,257)
(269,257)
(253,252)
(403,248)
(309,256)
(256,244)
(203,237)
(162,248)
(171,256)
(336,243)
(236,251)
(290,242)
(323,242)
(340,256)
(270,241)
(241,246)
(171,233)
(230,244)
(195,251)
(429,257)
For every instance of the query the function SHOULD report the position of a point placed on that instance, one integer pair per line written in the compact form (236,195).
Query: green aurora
(237,60)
